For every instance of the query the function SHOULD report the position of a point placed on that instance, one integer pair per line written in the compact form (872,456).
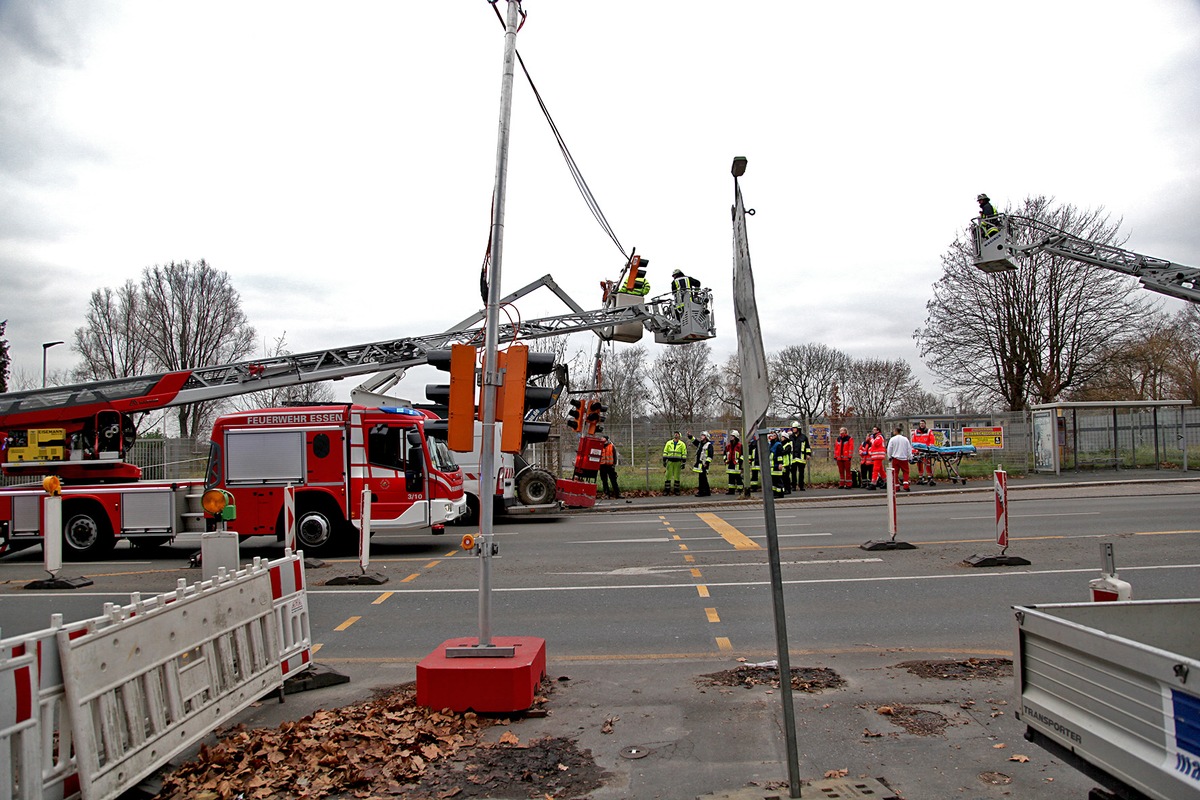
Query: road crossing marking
(739,540)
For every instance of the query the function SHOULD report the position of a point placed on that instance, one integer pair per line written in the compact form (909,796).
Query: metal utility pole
(492,377)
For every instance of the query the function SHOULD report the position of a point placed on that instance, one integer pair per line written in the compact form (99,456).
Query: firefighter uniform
(801,451)
(733,463)
(755,465)
(674,457)
(704,457)
(785,448)
(776,455)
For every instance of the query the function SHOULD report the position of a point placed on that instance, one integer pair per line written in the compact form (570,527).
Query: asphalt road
(686,580)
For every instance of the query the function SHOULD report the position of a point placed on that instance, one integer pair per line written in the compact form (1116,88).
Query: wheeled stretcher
(948,456)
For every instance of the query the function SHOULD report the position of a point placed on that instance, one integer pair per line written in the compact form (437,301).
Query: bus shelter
(1107,433)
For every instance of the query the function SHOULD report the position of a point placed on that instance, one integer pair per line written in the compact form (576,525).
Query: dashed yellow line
(703,590)
(412,577)
(347,623)
(723,644)
(379,600)
(690,559)
(452,552)
(313,650)
(682,546)
(696,573)
(739,540)
(711,613)
(432,564)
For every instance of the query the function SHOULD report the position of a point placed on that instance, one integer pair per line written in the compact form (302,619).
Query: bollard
(289,518)
(1108,587)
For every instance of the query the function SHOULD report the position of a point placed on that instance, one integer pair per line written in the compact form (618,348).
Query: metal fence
(160,460)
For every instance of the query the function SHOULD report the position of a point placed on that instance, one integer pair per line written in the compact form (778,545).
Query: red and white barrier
(893,526)
(190,660)
(289,599)
(1000,485)
(36,747)
(289,518)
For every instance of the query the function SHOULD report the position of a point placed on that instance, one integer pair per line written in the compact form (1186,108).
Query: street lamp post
(46,346)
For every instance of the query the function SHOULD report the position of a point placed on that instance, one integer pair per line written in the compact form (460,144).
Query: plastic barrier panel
(289,599)
(36,755)
(154,678)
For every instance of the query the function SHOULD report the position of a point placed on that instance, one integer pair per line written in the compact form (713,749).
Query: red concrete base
(484,684)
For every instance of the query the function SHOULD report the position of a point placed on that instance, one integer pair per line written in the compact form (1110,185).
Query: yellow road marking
(695,573)
(452,552)
(381,598)
(739,540)
(1160,533)
(712,615)
(313,650)
(724,644)
(432,564)
(412,577)
(682,546)
(690,559)
(347,623)
(675,537)
(703,590)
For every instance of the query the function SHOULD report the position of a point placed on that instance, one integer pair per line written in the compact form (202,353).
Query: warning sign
(984,438)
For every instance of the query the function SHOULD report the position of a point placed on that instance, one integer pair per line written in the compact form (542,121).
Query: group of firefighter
(789,452)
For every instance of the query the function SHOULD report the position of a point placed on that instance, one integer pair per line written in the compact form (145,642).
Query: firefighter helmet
(677,273)
(982,198)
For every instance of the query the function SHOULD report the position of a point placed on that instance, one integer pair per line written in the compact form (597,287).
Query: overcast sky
(337,160)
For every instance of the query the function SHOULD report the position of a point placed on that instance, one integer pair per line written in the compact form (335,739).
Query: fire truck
(82,433)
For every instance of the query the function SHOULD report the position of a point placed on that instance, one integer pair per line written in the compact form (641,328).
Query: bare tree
(729,387)
(623,374)
(110,340)
(1034,332)
(192,318)
(683,383)
(875,387)
(917,403)
(801,377)
(1184,371)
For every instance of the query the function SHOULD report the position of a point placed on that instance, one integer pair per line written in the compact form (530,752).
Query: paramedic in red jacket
(922,435)
(843,452)
(877,447)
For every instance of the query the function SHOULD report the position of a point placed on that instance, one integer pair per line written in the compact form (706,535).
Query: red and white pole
(891,501)
(364,532)
(1000,483)
(289,518)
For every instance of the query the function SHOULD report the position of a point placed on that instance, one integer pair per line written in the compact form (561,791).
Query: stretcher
(949,456)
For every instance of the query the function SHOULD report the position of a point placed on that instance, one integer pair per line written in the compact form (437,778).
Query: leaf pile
(552,767)
(970,669)
(371,749)
(917,721)
(804,679)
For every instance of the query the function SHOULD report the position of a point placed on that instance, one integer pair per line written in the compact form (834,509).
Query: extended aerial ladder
(91,422)
(1000,239)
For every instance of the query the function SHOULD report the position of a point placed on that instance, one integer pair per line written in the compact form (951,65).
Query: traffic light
(637,271)
(518,398)
(575,415)
(456,400)
(595,417)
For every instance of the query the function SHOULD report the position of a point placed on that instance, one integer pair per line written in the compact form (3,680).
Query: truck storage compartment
(1116,686)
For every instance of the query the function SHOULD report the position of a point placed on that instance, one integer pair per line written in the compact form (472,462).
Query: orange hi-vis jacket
(928,437)
(843,450)
(608,455)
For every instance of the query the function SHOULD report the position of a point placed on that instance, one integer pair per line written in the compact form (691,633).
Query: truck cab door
(396,486)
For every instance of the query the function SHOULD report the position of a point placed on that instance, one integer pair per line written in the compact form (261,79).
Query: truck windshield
(440,456)
(212,474)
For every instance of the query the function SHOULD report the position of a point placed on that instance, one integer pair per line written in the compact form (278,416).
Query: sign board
(984,438)
(1045,453)
(818,436)
(942,437)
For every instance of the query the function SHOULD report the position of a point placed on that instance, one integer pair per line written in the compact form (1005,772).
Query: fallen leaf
(1019,758)
(836,773)
(870,733)
(1000,746)
(508,737)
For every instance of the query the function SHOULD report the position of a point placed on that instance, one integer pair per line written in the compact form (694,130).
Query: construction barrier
(35,727)
(90,709)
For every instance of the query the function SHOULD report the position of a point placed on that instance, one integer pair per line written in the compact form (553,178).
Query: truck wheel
(86,534)
(535,487)
(318,531)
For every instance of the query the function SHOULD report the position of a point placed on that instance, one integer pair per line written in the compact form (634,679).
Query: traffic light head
(456,400)
(576,415)
(520,400)
(595,417)
(637,271)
